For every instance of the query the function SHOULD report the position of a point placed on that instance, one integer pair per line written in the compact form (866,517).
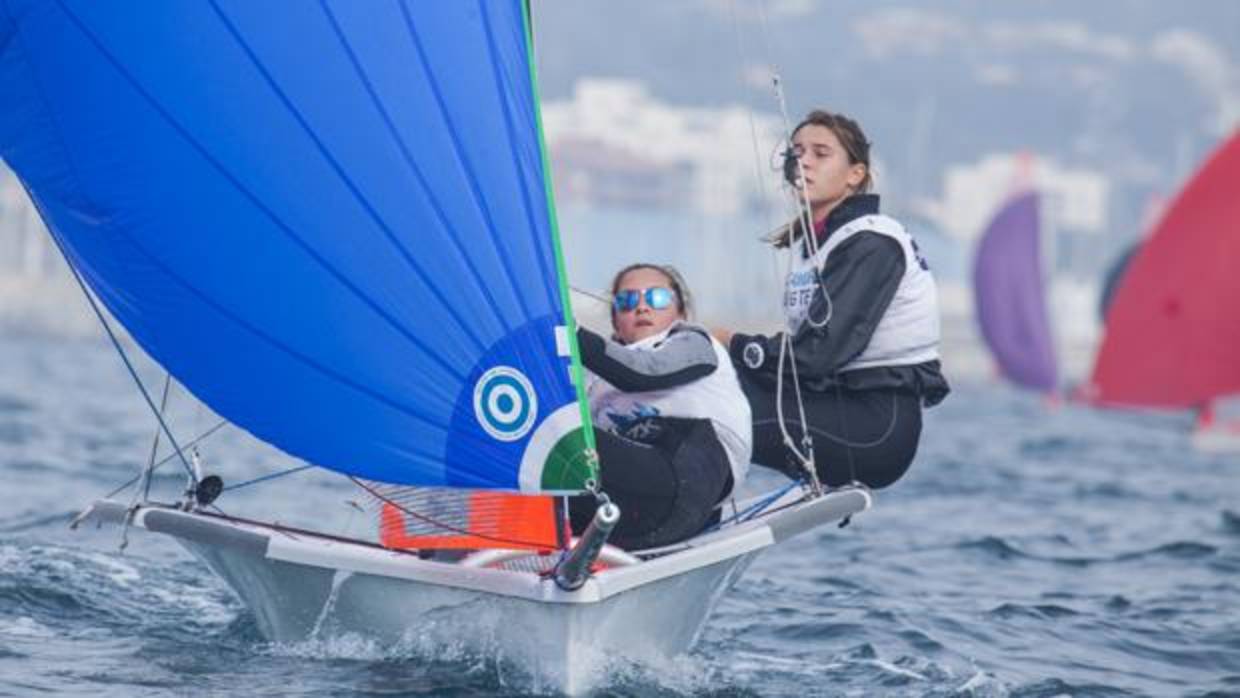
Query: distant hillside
(1139,89)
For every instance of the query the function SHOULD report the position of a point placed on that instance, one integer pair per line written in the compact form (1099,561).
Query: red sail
(1173,333)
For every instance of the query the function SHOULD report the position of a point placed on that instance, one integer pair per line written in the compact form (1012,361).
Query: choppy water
(1029,553)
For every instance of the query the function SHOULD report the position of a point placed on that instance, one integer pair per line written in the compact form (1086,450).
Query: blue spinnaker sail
(329,220)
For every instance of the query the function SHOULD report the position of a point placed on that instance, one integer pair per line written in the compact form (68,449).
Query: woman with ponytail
(860,350)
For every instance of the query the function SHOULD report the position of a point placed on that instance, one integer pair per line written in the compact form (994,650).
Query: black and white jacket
(680,372)
(882,331)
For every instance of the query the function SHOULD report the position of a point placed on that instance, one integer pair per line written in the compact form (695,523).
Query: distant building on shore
(613,143)
(25,248)
(37,293)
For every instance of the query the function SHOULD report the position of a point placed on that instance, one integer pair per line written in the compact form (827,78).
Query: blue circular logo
(505,403)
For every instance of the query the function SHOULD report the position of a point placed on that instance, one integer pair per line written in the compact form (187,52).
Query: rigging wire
(115,342)
(145,488)
(201,437)
(764,194)
(845,441)
(810,248)
(757,508)
(269,476)
(150,465)
(592,295)
(803,218)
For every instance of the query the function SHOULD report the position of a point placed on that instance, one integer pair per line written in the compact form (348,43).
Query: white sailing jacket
(715,396)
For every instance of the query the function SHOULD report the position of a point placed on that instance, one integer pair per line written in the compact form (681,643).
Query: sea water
(1029,552)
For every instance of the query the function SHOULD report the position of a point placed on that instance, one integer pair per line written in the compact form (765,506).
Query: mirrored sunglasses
(657,298)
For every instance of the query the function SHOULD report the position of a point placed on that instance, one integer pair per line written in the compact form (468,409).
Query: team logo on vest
(505,403)
(799,290)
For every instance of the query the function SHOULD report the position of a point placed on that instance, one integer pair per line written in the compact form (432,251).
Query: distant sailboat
(1172,331)
(1010,295)
(332,222)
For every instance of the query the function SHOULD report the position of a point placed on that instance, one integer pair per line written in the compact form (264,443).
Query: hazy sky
(1140,90)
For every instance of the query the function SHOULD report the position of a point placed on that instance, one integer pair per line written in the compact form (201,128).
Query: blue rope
(272,476)
(757,507)
(761,506)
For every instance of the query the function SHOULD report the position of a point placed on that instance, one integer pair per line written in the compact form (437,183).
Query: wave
(57,586)
(420,665)
(1001,549)
(1230,522)
(1037,611)
(25,522)
(1055,688)
(1177,550)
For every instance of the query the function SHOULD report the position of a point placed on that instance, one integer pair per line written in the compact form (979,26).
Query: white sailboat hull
(301,585)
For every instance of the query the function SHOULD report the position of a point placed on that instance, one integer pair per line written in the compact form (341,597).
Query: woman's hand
(723,335)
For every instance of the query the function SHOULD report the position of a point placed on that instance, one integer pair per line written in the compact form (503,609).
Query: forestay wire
(107,327)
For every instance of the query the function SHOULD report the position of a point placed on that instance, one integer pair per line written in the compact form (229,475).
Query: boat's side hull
(568,646)
(302,586)
(565,645)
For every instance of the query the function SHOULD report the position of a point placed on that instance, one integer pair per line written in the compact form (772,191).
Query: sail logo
(505,403)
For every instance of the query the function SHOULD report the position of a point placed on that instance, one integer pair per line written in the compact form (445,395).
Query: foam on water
(25,627)
(206,605)
(349,646)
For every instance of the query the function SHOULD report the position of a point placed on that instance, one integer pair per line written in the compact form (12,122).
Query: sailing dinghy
(1172,329)
(1009,287)
(332,223)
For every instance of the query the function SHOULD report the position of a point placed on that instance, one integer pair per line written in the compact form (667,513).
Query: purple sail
(1011,297)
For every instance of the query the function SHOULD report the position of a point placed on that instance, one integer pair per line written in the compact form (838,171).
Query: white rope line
(803,214)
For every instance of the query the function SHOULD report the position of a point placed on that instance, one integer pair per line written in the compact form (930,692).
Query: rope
(191,444)
(764,195)
(264,478)
(806,459)
(787,365)
(145,473)
(592,295)
(785,347)
(757,508)
(844,440)
(803,215)
(150,465)
(753,510)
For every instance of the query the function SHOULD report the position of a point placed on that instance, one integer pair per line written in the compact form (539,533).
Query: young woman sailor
(672,426)
(862,313)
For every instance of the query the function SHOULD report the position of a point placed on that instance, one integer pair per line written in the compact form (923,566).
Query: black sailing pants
(866,435)
(666,489)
